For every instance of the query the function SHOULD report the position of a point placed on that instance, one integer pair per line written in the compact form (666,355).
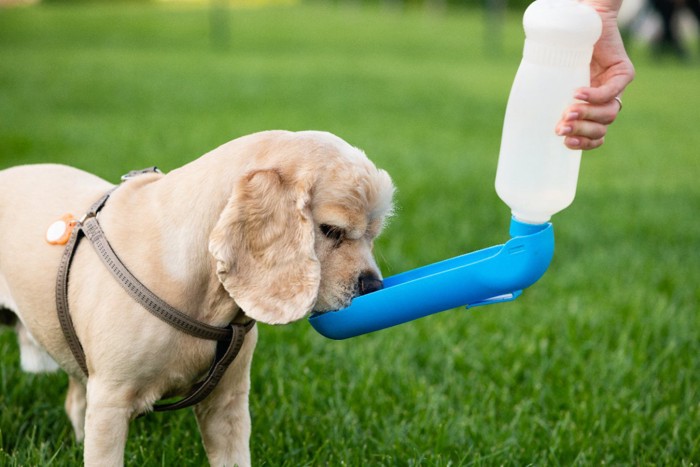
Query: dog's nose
(369,282)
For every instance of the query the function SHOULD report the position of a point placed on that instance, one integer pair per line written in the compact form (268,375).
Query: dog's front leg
(223,417)
(109,409)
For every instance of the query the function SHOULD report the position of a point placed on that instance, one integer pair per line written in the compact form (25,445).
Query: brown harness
(229,339)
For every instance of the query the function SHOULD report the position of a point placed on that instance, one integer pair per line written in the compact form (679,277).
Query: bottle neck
(519,228)
(552,55)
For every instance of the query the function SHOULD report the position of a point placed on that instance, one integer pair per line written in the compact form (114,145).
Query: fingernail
(565,130)
(573,142)
(571,116)
(582,96)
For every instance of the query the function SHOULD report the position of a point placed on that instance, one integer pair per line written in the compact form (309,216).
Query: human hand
(585,123)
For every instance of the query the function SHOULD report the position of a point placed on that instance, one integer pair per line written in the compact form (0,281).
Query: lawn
(598,363)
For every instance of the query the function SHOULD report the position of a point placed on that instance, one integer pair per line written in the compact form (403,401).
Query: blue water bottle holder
(492,275)
(560,35)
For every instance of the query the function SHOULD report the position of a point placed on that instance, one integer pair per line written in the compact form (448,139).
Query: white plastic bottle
(537,173)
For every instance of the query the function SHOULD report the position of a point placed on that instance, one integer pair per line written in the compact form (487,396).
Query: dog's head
(296,235)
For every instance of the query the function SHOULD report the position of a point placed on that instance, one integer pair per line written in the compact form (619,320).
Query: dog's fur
(273,225)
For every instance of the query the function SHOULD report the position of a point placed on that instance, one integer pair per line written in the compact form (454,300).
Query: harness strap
(64,318)
(229,339)
(226,352)
(139,292)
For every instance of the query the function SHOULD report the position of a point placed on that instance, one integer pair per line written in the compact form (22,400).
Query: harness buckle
(85,217)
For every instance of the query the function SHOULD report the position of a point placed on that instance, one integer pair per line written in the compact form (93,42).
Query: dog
(270,226)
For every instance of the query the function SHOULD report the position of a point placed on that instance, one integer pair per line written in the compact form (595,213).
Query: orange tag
(59,232)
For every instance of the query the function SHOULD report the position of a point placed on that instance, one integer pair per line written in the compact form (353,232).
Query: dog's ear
(263,244)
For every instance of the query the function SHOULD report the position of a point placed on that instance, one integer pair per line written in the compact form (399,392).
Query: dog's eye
(332,233)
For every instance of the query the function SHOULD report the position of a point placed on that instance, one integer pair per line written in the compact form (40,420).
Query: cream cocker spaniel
(269,226)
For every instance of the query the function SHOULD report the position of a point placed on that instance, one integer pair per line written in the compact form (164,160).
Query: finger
(579,142)
(603,113)
(583,128)
(605,92)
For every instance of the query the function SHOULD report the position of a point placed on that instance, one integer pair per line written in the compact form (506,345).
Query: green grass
(598,363)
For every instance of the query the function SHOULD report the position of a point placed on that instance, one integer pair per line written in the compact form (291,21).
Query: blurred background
(599,362)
